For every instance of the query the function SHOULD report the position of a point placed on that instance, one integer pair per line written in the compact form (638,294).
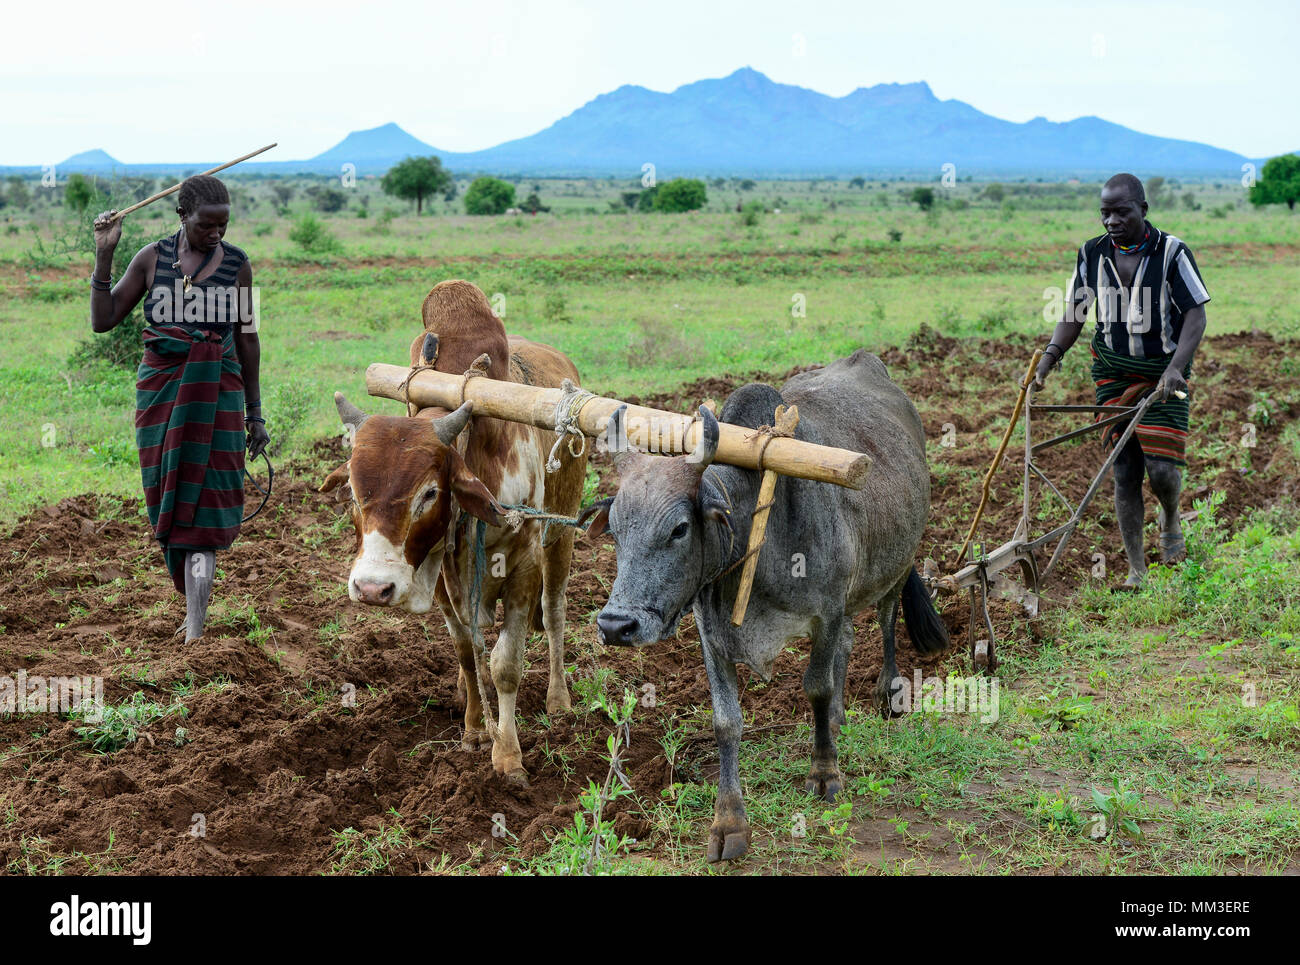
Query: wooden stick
(1002,448)
(176,187)
(652,430)
(786,420)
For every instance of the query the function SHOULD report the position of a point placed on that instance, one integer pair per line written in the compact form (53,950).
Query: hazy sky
(166,82)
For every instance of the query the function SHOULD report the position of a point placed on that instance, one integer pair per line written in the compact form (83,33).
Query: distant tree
(415,179)
(80,194)
(533,204)
(645,200)
(995,192)
(489,196)
(450,194)
(924,198)
(1279,182)
(629,198)
(1153,188)
(327,199)
(283,193)
(858,183)
(751,213)
(747,185)
(19,194)
(681,194)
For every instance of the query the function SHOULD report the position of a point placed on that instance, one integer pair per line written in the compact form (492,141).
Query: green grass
(640,302)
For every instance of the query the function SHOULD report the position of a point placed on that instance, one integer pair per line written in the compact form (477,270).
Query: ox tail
(923,624)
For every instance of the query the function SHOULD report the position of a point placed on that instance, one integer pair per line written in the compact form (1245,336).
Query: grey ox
(681,524)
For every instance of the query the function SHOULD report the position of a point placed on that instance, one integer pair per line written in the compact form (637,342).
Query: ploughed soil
(272,765)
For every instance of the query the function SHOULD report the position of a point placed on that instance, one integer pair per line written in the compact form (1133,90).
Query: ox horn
(450,425)
(349,413)
(707,446)
(616,439)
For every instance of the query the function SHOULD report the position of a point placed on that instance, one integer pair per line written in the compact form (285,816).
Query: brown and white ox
(417,481)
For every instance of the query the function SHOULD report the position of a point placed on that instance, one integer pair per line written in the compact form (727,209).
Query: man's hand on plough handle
(1045,364)
(1171,383)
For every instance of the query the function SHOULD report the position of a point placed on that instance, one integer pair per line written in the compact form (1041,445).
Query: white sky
(164,82)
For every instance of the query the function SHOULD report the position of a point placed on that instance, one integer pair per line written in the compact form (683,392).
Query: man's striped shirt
(1146,321)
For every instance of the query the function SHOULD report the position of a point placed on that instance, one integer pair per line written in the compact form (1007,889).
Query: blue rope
(480,559)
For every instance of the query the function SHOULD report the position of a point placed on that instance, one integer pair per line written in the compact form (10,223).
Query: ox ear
(471,495)
(429,350)
(598,513)
(337,478)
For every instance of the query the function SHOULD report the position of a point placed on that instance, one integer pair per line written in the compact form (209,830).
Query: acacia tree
(415,179)
(1279,182)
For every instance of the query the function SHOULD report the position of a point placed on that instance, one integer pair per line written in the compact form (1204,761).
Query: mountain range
(746,124)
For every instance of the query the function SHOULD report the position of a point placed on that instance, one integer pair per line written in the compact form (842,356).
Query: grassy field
(640,302)
(1171,713)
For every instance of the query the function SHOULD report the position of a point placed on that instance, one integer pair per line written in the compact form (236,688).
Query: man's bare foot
(1134,583)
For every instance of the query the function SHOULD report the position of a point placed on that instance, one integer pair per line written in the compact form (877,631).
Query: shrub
(80,194)
(326,199)
(489,196)
(751,213)
(290,403)
(312,236)
(681,194)
(554,308)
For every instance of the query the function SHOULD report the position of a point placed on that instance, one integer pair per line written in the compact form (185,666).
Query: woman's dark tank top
(211,304)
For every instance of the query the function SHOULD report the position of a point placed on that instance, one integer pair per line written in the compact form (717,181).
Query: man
(1150,303)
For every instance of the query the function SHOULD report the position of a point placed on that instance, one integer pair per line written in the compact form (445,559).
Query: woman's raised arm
(109,303)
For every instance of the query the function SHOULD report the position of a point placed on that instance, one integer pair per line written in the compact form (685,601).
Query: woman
(200,368)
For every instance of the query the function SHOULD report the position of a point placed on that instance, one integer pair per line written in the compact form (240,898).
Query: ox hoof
(475,741)
(558,704)
(889,698)
(728,846)
(517,778)
(825,785)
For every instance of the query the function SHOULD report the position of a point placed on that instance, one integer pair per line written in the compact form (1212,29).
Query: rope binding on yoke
(567,410)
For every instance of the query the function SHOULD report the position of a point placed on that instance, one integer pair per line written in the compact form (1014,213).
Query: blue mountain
(382,146)
(95,160)
(746,124)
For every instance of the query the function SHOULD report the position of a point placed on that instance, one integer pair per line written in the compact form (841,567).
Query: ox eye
(679,531)
(430,495)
